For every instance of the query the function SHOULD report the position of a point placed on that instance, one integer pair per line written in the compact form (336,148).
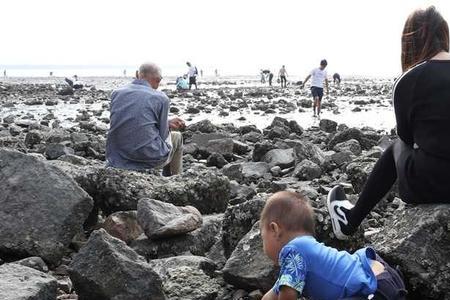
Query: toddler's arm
(270,295)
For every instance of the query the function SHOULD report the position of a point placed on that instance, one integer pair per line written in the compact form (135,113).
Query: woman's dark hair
(425,34)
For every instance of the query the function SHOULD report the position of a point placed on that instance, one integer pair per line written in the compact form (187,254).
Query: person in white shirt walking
(192,74)
(319,76)
(283,75)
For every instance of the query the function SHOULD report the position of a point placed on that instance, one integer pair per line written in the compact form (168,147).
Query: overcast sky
(236,36)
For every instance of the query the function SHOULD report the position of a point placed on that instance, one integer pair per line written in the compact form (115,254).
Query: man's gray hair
(149,70)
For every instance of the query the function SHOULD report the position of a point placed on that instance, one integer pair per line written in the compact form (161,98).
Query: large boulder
(106,268)
(248,267)
(161,220)
(238,220)
(117,190)
(284,158)
(18,282)
(188,277)
(197,242)
(41,208)
(418,239)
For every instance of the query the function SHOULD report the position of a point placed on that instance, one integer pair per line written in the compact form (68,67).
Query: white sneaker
(338,206)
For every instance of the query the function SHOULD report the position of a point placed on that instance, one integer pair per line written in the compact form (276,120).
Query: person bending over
(309,268)
(140,136)
(319,76)
(420,158)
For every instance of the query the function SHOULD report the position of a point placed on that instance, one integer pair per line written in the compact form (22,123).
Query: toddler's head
(285,216)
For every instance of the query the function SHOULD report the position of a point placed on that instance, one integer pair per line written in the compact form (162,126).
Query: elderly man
(139,137)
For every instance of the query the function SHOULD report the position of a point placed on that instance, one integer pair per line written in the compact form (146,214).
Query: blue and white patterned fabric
(292,271)
(321,272)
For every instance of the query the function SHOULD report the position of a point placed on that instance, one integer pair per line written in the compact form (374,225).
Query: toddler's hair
(290,210)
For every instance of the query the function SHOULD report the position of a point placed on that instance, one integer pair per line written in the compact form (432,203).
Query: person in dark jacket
(420,158)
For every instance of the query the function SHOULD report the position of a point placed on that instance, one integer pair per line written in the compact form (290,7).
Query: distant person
(124,73)
(420,159)
(263,76)
(51,74)
(136,74)
(311,269)
(192,74)
(336,78)
(4,73)
(283,74)
(201,73)
(141,137)
(69,82)
(182,83)
(216,72)
(319,76)
(77,84)
(270,78)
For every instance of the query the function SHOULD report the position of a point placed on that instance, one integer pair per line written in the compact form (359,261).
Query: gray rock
(33,137)
(238,220)
(284,158)
(32,191)
(123,225)
(418,239)
(359,170)
(254,170)
(351,145)
(19,282)
(187,277)
(54,151)
(328,125)
(248,267)
(261,149)
(161,220)
(34,262)
(240,148)
(233,171)
(204,126)
(216,160)
(65,91)
(307,150)
(341,158)
(197,242)
(352,133)
(307,170)
(106,268)
(119,190)
(221,146)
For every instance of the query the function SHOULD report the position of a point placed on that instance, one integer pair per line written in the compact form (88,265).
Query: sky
(357,37)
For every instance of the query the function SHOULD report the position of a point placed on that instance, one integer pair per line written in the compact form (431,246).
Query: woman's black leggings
(380,181)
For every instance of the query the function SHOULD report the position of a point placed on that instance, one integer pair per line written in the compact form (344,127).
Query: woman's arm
(403,96)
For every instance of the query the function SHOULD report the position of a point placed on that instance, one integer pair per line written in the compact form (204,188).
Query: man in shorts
(192,74)
(319,76)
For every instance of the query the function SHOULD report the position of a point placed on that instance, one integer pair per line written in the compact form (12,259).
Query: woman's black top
(422,109)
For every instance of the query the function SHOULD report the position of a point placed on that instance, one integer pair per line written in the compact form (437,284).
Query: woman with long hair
(420,158)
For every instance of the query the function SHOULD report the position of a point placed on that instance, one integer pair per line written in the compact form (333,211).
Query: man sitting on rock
(139,137)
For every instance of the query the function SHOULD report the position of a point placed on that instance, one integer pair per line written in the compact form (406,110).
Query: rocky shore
(70,228)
